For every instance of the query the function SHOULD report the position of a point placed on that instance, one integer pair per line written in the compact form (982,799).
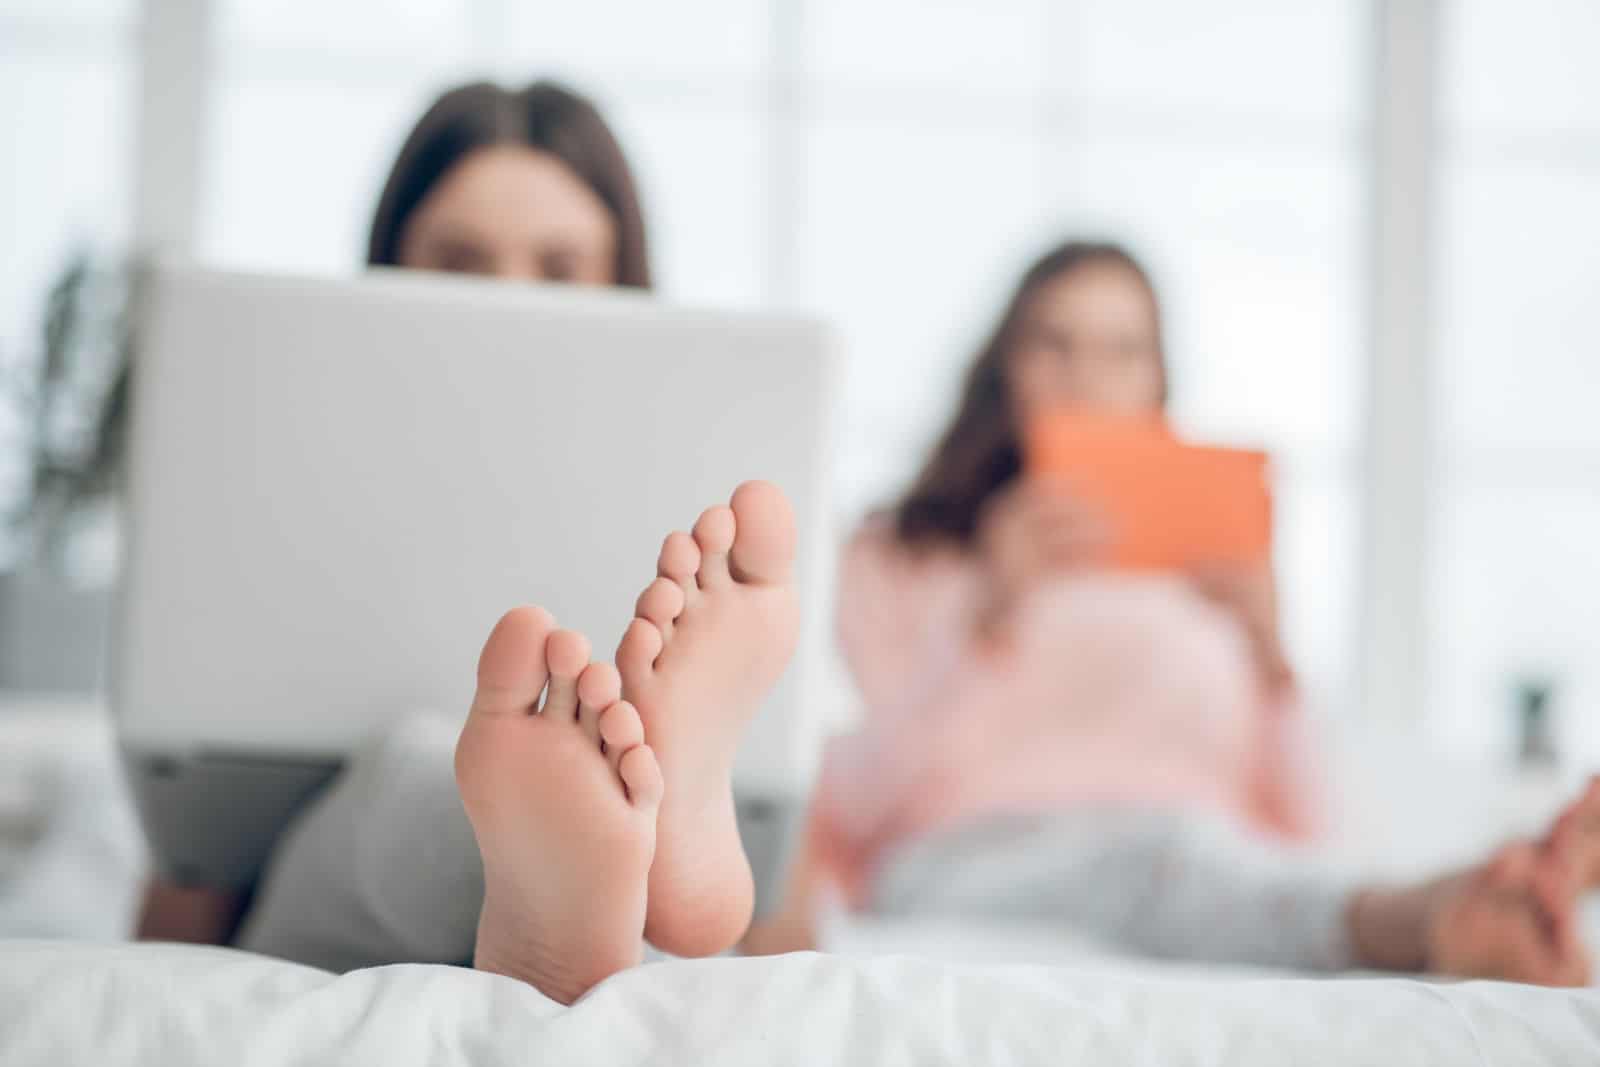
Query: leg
(199,915)
(563,798)
(381,868)
(1158,884)
(1174,886)
(713,633)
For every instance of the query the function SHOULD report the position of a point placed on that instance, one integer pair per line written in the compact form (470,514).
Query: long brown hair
(980,452)
(545,116)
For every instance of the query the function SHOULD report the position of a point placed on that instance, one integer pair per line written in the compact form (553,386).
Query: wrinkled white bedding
(72,857)
(177,1006)
(70,861)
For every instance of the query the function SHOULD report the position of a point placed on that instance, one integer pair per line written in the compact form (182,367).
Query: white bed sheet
(72,856)
(179,1006)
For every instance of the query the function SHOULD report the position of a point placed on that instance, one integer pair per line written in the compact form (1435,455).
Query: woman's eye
(461,260)
(559,267)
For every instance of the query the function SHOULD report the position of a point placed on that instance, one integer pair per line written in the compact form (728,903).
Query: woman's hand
(1250,595)
(1030,532)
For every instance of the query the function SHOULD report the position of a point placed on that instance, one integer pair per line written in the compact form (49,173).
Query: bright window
(1515,573)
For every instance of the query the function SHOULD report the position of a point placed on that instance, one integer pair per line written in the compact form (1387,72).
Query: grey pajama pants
(1166,884)
(383,868)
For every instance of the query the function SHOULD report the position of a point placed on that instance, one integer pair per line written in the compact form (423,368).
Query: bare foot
(563,800)
(1575,834)
(1514,918)
(713,633)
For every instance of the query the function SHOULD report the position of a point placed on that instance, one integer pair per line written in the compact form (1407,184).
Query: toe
(566,652)
(1511,866)
(511,668)
(1562,831)
(642,775)
(763,551)
(661,602)
(636,654)
(599,687)
(620,729)
(714,533)
(679,559)
(1588,806)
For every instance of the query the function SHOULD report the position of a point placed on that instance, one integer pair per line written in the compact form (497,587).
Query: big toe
(512,670)
(763,547)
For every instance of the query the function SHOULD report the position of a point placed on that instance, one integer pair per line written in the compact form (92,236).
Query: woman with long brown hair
(1024,605)
(1045,738)
(523,184)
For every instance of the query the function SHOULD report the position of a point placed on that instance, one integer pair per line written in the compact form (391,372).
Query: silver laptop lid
(336,487)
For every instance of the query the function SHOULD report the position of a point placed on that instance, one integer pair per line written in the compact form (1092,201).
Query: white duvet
(178,1006)
(64,1003)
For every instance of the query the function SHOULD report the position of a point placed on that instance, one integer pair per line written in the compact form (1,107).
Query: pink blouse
(1112,690)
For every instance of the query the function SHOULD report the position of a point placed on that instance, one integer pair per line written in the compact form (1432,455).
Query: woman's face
(513,212)
(1090,340)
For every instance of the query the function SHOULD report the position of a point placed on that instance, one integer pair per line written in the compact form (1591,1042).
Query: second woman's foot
(1514,918)
(1575,835)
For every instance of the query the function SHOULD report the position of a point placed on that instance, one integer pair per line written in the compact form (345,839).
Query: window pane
(64,170)
(1237,57)
(64,173)
(293,170)
(1518,362)
(375,28)
(1529,66)
(910,239)
(956,43)
(1257,256)
(1515,579)
(98,12)
(697,38)
(701,171)
(1513,568)
(1316,518)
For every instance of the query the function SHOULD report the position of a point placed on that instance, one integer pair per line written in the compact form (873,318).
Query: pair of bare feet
(604,813)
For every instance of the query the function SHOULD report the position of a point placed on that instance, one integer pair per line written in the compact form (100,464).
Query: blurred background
(1375,225)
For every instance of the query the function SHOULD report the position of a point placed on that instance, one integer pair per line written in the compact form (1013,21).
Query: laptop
(337,486)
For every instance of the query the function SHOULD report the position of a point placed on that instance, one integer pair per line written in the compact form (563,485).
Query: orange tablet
(1171,505)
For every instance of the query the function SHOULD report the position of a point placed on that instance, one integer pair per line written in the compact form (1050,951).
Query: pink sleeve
(883,612)
(900,630)
(1290,795)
